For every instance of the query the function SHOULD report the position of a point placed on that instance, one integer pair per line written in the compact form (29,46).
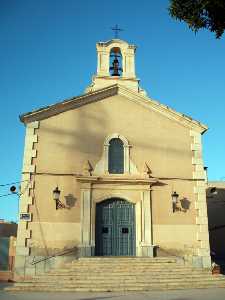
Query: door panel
(115,223)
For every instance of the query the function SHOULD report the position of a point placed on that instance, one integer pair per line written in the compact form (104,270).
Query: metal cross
(116,30)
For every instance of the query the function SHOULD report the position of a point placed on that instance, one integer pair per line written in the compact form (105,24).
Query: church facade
(111,173)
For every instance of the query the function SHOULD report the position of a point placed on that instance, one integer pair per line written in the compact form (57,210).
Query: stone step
(115,274)
(120,267)
(126,277)
(94,288)
(105,261)
(70,290)
(131,270)
(122,263)
(117,280)
(127,258)
(108,286)
(123,281)
(128,266)
(96,279)
(136,264)
(125,271)
(122,274)
(126,263)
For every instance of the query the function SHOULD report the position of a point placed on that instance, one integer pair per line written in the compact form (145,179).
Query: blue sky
(47,54)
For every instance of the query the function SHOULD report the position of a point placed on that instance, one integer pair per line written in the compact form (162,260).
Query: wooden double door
(115,228)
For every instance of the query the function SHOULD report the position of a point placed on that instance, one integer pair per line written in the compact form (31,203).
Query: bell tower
(115,64)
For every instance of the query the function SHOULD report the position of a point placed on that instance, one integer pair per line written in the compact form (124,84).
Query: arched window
(116,156)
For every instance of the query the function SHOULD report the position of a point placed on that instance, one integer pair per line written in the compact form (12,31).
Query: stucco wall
(70,138)
(66,141)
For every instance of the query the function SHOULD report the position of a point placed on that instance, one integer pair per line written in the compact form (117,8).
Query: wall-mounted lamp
(56,195)
(174,197)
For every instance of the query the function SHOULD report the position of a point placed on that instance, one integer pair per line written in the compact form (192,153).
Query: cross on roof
(116,30)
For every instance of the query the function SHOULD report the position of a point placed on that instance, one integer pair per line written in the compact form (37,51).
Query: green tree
(208,14)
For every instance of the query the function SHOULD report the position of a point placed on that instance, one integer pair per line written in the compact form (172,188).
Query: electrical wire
(18,194)
(6,184)
(6,195)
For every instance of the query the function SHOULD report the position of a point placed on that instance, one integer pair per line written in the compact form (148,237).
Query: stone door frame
(93,191)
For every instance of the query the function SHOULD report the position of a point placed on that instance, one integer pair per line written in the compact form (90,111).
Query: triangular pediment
(107,92)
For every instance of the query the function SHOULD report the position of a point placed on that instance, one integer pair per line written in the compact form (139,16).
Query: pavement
(197,294)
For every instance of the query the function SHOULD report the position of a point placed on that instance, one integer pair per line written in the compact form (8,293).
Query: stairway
(110,274)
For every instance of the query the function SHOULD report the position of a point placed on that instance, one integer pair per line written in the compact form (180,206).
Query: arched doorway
(115,228)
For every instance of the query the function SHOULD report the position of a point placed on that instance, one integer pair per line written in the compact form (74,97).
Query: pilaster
(26,198)
(86,247)
(146,242)
(202,257)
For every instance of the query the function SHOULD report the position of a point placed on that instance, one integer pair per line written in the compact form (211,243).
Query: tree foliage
(208,14)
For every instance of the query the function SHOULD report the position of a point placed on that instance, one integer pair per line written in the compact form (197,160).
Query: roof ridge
(105,92)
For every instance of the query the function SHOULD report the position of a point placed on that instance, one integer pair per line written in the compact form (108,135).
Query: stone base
(29,266)
(149,250)
(200,261)
(145,250)
(86,251)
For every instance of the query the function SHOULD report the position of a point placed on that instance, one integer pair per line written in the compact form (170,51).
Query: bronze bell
(115,66)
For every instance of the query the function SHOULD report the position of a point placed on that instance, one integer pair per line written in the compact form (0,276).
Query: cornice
(116,41)
(117,179)
(163,109)
(110,91)
(72,103)
(109,78)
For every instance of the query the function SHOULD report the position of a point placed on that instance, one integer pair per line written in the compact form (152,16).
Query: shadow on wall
(80,135)
(87,133)
(185,204)
(182,205)
(70,200)
(41,230)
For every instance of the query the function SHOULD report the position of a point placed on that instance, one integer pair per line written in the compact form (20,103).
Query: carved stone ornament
(147,170)
(87,168)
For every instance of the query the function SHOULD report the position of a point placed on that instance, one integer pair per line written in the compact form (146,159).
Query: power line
(17,193)
(6,195)
(13,183)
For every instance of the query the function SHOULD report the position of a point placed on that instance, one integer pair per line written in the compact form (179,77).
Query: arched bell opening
(115,228)
(115,68)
